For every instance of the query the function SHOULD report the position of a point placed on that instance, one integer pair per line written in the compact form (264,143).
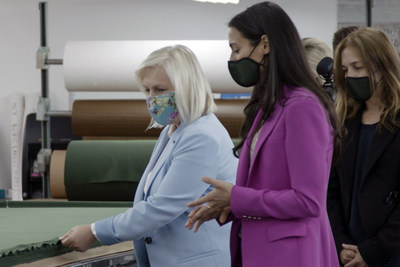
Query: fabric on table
(29,232)
(33,252)
(63,204)
(96,256)
(105,170)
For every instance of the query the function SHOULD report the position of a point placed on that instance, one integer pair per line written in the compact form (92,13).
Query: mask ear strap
(254,49)
(262,60)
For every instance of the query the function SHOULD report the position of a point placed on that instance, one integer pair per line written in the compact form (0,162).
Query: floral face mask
(162,108)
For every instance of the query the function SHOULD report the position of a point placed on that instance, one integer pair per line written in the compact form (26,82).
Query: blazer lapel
(379,143)
(265,131)
(244,157)
(157,153)
(160,160)
(162,141)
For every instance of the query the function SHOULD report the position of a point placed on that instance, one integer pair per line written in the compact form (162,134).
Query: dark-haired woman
(278,205)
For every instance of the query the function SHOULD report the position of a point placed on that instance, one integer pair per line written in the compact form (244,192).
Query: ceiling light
(220,1)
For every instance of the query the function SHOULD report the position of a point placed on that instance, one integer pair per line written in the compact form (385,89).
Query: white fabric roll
(17,111)
(111,65)
(21,106)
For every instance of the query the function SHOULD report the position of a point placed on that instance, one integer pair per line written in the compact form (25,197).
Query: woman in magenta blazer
(278,205)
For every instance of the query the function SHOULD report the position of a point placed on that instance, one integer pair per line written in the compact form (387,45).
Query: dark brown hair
(287,63)
(340,34)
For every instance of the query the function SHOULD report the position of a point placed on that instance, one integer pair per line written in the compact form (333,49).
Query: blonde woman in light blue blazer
(192,145)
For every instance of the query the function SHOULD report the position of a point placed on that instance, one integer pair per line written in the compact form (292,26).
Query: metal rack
(43,112)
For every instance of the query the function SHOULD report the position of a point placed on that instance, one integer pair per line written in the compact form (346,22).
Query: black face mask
(359,88)
(245,71)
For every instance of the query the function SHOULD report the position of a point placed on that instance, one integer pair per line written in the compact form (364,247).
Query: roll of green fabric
(105,170)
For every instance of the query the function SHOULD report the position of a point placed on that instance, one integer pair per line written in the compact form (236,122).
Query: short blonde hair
(192,90)
(316,50)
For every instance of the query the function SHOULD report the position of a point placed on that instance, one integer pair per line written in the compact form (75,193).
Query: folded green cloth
(105,170)
(63,204)
(33,252)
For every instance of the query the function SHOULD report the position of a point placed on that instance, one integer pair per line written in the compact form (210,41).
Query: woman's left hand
(358,260)
(218,204)
(79,238)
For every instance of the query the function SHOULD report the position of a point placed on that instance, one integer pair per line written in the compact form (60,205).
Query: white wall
(116,20)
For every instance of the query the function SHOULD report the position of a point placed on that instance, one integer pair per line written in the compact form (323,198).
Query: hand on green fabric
(79,238)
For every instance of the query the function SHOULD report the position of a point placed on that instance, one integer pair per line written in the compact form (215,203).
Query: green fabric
(33,252)
(30,229)
(236,141)
(64,204)
(110,191)
(105,170)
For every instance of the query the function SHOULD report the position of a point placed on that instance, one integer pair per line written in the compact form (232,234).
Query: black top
(367,132)
(377,193)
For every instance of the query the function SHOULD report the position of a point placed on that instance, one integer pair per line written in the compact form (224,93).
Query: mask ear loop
(254,48)
(262,60)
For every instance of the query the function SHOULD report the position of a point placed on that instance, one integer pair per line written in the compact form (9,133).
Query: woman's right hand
(201,214)
(217,204)
(350,256)
(79,238)
(346,255)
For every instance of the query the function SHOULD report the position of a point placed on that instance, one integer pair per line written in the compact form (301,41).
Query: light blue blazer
(156,222)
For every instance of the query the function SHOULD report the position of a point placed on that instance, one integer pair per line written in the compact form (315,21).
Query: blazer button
(148,240)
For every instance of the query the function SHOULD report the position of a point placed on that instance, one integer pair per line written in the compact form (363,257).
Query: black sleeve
(336,211)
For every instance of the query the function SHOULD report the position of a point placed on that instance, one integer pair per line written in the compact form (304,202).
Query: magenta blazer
(279,200)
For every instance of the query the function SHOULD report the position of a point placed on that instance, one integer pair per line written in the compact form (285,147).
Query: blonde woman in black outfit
(364,188)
